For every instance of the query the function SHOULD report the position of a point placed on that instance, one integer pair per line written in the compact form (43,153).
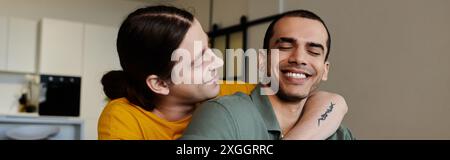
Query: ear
(157,85)
(326,70)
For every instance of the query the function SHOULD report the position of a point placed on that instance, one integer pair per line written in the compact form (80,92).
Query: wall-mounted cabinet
(61,47)
(3,42)
(22,45)
(18,44)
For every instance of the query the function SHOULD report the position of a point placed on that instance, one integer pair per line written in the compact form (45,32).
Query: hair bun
(115,84)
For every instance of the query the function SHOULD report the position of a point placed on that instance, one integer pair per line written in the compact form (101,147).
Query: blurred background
(389,59)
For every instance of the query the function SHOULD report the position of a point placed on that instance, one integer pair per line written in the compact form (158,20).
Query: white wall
(100,56)
(200,9)
(228,12)
(225,12)
(259,9)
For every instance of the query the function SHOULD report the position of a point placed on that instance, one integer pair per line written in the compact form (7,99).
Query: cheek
(181,88)
(196,74)
(283,58)
(283,61)
(320,70)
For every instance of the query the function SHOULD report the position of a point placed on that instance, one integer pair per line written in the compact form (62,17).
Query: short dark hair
(145,42)
(296,13)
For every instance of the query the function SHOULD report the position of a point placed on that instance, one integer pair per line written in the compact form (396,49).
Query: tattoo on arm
(325,115)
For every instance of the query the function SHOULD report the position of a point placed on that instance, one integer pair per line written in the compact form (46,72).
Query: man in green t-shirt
(302,44)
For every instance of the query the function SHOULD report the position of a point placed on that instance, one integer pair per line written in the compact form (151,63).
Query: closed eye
(315,53)
(284,48)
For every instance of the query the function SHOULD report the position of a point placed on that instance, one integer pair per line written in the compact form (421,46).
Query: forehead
(302,29)
(195,33)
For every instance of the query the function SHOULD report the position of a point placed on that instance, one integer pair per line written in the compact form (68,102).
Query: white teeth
(296,75)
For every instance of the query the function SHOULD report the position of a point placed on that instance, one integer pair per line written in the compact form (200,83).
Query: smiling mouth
(296,76)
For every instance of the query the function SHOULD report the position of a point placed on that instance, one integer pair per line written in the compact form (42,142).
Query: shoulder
(118,115)
(226,106)
(120,106)
(342,133)
(220,118)
(232,103)
(236,106)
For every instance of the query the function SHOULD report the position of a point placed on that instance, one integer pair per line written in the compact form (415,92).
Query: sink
(32,132)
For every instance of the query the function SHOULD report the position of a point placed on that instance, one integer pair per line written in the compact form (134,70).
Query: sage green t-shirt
(241,117)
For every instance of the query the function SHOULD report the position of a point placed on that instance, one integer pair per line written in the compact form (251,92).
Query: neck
(174,112)
(287,113)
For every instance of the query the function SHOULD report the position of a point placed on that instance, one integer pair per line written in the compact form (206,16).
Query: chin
(291,97)
(211,90)
(292,94)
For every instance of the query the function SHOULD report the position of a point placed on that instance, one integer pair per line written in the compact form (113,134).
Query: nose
(298,56)
(215,60)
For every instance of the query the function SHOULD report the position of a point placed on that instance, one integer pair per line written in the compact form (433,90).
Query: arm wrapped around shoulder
(321,117)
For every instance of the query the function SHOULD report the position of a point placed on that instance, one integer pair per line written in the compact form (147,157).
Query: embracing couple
(146,103)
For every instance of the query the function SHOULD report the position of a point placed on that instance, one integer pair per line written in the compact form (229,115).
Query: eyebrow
(285,40)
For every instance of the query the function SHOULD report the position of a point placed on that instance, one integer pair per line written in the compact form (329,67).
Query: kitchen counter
(70,128)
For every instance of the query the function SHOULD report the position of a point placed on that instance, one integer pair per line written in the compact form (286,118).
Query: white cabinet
(3,42)
(18,44)
(22,45)
(61,47)
(100,56)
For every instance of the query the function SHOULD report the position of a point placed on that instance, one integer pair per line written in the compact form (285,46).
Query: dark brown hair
(145,43)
